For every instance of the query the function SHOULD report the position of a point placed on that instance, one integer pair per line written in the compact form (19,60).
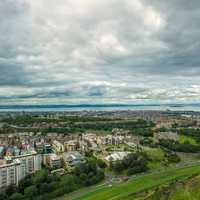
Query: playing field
(123,190)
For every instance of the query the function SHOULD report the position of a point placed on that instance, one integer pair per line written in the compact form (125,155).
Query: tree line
(131,164)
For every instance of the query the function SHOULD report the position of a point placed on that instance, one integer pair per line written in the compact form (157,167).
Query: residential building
(71,145)
(30,162)
(116,156)
(112,140)
(58,147)
(166,136)
(47,149)
(9,173)
(71,159)
(55,161)
(15,168)
(2,149)
(39,146)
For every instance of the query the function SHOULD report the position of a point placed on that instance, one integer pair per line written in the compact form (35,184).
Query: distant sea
(98,107)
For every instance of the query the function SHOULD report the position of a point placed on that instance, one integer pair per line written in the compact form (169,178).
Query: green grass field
(184,138)
(157,156)
(185,189)
(125,190)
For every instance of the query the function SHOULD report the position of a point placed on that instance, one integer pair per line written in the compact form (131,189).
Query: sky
(99,51)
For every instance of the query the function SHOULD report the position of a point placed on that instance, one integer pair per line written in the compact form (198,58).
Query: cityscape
(99,100)
(37,146)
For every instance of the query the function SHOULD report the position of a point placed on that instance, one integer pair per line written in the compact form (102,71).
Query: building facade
(16,168)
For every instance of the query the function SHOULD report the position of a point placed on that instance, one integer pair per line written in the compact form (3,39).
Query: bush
(176,146)
(16,196)
(31,192)
(88,173)
(101,163)
(133,163)
(172,157)
(3,196)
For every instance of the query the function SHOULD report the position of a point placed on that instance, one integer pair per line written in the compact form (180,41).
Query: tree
(26,182)
(40,177)
(132,163)
(101,163)
(30,192)
(3,196)
(11,189)
(16,196)
(44,188)
(118,166)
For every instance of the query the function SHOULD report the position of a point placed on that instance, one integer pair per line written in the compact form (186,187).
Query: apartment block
(14,169)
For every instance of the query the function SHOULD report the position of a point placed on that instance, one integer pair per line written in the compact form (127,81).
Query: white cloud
(118,50)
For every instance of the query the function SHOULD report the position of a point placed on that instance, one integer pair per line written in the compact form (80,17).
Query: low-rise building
(112,140)
(116,156)
(39,146)
(71,159)
(55,161)
(166,136)
(58,147)
(47,149)
(71,145)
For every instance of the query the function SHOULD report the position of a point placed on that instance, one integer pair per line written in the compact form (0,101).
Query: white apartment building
(9,174)
(29,163)
(14,170)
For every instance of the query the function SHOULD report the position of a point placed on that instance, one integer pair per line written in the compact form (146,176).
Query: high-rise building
(30,163)
(14,169)
(9,173)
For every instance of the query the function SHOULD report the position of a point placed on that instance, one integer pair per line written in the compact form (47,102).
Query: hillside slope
(182,190)
(143,185)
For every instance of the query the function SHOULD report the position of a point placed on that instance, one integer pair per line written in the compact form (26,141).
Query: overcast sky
(99,51)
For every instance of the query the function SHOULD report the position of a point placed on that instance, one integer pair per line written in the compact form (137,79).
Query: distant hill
(79,107)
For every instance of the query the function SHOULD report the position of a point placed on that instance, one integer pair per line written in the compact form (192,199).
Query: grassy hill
(142,184)
(188,189)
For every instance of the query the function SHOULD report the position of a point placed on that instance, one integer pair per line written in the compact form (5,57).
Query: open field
(138,184)
(185,189)
(157,156)
(187,139)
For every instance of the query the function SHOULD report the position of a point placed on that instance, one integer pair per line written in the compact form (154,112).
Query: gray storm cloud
(99,51)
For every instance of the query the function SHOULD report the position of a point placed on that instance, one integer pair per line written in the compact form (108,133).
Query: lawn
(155,154)
(123,190)
(188,139)
(188,189)
(157,157)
